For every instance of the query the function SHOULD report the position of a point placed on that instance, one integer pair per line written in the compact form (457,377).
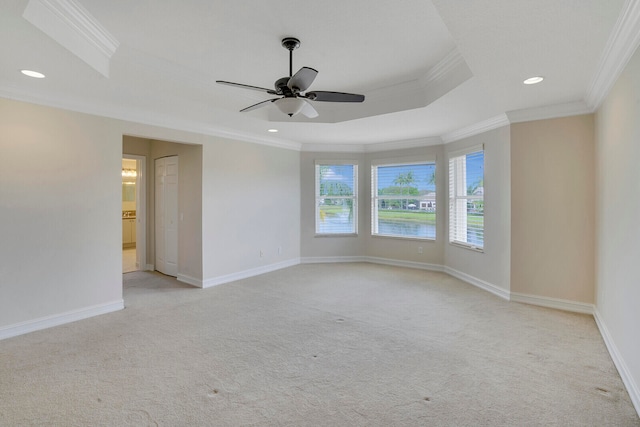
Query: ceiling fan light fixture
(290,106)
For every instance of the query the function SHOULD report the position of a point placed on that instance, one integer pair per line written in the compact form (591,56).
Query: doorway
(133,213)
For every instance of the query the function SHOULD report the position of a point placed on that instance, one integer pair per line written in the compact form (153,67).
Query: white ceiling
(427,68)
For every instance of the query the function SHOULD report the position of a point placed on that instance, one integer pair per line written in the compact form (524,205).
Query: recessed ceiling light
(33,74)
(272,130)
(533,80)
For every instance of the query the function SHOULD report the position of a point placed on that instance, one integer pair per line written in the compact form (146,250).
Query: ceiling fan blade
(309,111)
(240,85)
(258,105)
(301,80)
(334,96)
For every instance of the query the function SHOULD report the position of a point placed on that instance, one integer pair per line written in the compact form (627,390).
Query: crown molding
(403,144)
(622,43)
(139,117)
(72,26)
(477,128)
(548,112)
(443,68)
(332,148)
(373,147)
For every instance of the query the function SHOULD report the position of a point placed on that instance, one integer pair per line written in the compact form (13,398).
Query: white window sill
(467,246)
(336,235)
(389,236)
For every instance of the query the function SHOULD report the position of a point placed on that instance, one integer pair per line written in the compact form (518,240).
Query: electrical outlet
(419,249)
(279,250)
(261,253)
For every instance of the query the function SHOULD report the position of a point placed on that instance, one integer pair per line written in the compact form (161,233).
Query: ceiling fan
(292,90)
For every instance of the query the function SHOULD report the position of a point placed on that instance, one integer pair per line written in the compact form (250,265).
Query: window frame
(318,196)
(458,203)
(375,198)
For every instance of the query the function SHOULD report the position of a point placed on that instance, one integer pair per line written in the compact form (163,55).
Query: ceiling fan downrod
(290,43)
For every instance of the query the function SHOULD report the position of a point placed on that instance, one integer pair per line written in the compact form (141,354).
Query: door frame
(141,210)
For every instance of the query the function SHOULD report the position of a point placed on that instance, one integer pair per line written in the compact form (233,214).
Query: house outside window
(403,199)
(336,198)
(466,198)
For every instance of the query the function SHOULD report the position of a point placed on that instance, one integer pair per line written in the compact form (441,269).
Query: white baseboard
(632,387)
(372,260)
(214,281)
(331,259)
(407,264)
(189,280)
(59,319)
(560,304)
(502,293)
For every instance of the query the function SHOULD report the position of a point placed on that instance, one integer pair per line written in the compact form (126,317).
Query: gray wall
(251,203)
(493,266)
(61,195)
(61,204)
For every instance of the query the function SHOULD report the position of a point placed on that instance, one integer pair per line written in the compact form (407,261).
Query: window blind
(336,199)
(466,198)
(403,200)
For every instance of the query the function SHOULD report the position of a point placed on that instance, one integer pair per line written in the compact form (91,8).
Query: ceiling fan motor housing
(282,88)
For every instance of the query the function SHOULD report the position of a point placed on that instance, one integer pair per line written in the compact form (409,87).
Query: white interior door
(166,214)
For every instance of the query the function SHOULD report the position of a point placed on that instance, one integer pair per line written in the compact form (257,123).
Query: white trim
(465,245)
(372,260)
(137,117)
(632,387)
(374,147)
(149,267)
(59,319)
(476,128)
(426,141)
(407,264)
(215,281)
(465,151)
(549,112)
(72,26)
(404,161)
(189,280)
(622,43)
(502,293)
(443,69)
(332,148)
(332,259)
(331,162)
(557,303)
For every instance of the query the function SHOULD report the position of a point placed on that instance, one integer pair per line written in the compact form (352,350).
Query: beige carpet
(319,345)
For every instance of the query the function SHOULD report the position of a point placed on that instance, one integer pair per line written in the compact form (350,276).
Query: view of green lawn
(333,210)
(409,216)
(473,220)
